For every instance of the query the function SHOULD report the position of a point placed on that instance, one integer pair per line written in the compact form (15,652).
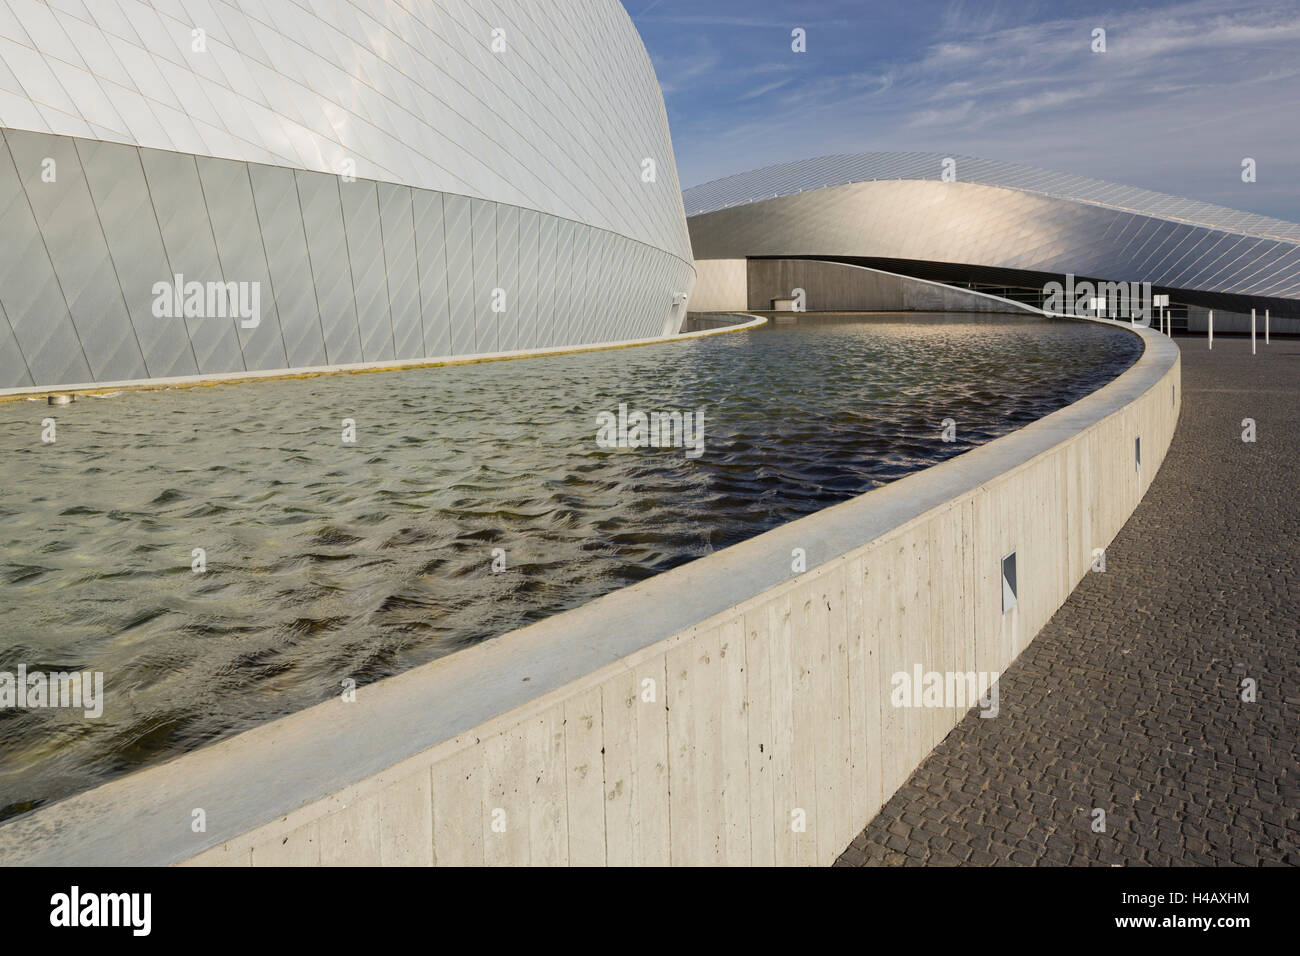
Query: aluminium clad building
(995,224)
(393,179)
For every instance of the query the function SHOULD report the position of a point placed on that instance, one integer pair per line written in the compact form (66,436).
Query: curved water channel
(329,560)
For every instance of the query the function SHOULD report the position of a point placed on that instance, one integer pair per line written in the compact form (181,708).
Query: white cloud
(1181,94)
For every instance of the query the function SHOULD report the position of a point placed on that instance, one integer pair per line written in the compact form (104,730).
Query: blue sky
(1184,91)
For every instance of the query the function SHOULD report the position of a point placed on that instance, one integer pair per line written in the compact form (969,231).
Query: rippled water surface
(328,560)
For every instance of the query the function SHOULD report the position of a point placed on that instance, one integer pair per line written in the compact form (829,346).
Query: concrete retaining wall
(729,285)
(720,286)
(697,717)
(842,287)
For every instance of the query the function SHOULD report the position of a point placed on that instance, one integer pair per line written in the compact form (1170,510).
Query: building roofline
(843,169)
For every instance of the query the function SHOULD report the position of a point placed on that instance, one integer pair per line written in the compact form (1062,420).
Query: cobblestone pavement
(1128,700)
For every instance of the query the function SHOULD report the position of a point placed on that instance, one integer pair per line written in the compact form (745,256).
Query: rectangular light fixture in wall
(1008,582)
(1137,453)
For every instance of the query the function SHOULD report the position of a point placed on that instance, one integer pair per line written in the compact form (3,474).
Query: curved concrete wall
(842,287)
(731,284)
(721,285)
(696,717)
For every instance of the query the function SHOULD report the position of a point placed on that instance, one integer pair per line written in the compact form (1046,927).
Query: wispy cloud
(1184,90)
(765,88)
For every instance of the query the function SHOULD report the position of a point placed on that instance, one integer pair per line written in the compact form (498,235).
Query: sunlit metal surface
(395,186)
(557,120)
(997,215)
(839,170)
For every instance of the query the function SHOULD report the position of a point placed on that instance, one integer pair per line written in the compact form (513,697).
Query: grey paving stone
(1129,698)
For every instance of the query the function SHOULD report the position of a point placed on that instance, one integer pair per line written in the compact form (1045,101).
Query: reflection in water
(328,560)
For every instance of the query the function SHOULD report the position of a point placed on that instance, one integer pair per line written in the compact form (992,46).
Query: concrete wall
(839,287)
(724,285)
(689,719)
(720,286)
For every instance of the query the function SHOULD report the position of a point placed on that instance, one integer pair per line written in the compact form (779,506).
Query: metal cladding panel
(243,256)
(1263,270)
(589,263)
(79,255)
(29,290)
(578,266)
(1240,255)
(618,309)
(548,280)
(331,272)
(365,249)
(508,277)
(645,305)
(396,221)
(603,311)
(527,306)
(625,261)
(550,105)
(179,204)
(642,296)
(125,211)
(13,367)
(660,299)
(483,227)
(1207,262)
(355,269)
(1149,257)
(1210,258)
(460,272)
(431,260)
(662,296)
(285,242)
(1287,264)
(609,309)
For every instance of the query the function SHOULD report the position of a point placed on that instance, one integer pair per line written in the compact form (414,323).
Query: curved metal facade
(894,206)
(401,180)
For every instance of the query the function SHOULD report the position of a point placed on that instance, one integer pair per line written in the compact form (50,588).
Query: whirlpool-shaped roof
(822,172)
(558,117)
